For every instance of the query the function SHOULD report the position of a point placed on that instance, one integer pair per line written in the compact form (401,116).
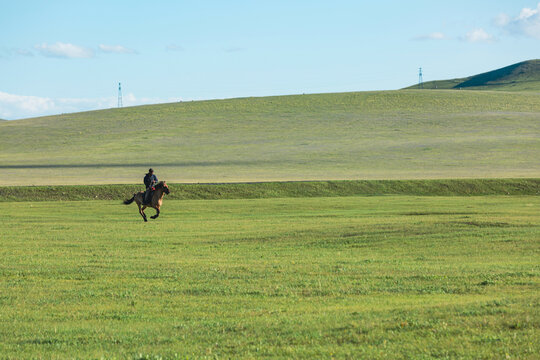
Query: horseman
(152,197)
(149,181)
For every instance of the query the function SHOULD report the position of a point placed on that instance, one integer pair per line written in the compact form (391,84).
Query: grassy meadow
(408,134)
(344,277)
(416,237)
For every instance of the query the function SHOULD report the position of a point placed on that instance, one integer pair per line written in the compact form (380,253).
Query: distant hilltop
(523,76)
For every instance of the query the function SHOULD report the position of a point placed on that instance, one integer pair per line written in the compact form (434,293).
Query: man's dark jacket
(150,180)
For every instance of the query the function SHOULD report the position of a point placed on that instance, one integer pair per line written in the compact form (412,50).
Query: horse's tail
(127,202)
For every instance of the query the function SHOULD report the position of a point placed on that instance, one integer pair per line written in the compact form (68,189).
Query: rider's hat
(150,170)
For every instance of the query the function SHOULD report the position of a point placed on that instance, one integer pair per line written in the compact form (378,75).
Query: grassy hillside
(466,187)
(523,76)
(407,134)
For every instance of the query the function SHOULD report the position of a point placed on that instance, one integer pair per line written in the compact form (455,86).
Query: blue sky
(65,56)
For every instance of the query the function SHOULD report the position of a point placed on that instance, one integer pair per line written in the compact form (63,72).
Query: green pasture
(408,134)
(341,277)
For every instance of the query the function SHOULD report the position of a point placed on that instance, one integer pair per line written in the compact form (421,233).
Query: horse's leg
(157,213)
(141,211)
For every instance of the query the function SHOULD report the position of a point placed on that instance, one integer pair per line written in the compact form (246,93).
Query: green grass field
(427,247)
(345,277)
(407,134)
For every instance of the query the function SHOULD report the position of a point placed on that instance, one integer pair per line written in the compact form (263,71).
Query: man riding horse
(149,181)
(155,199)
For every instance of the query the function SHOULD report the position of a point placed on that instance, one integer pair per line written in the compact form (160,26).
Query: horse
(155,202)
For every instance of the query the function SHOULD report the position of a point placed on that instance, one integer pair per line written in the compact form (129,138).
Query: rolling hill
(523,76)
(406,134)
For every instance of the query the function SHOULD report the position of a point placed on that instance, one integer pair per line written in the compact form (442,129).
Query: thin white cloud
(527,13)
(116,49)
(432,36)
(233,49)
(478,35)
(64,50)
(174,47)
(527,23)
(24,52)
(10,52)
(22,106)
(501,20)
(12,105)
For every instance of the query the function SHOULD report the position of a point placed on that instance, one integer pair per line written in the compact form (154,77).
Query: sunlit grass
(368,135)
(372,277)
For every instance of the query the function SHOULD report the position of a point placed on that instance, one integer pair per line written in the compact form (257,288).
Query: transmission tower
(420,79)
(119,95)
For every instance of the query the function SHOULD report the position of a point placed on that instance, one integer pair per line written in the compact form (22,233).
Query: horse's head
(166,188)
(163,186)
